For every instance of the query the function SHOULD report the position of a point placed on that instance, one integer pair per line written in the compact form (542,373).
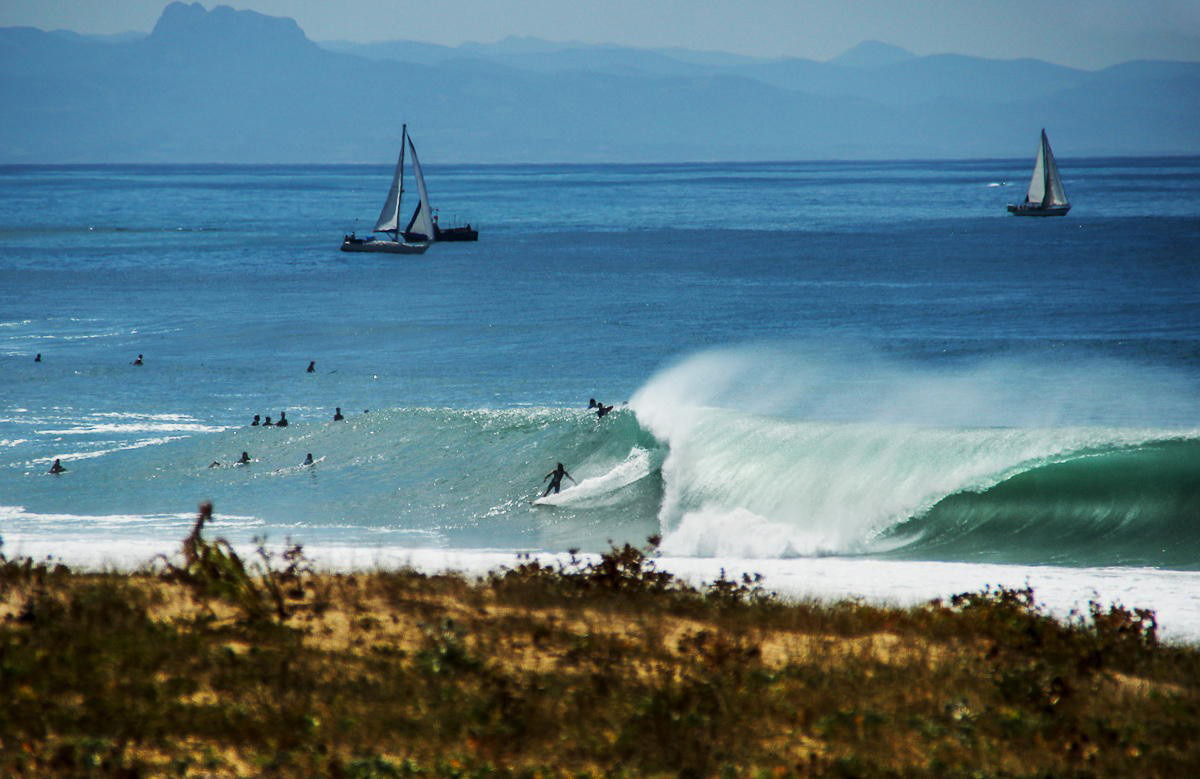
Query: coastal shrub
(737,593)
(1121,637)
(445,651)
(623,570)
(1106,637)
(282,585)
(376,767)
(23,572)
(212,569)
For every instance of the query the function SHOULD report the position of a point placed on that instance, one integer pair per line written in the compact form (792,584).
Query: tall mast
(400,193)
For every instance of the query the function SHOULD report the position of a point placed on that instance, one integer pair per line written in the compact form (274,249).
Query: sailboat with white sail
(416,237)
(1045,196)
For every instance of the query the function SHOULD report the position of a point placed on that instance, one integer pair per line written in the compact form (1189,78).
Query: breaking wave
(738,454)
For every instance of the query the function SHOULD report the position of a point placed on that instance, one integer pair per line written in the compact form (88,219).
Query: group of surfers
(555,476)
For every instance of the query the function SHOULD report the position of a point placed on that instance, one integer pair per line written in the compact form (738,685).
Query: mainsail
(1045,187)
(420,227)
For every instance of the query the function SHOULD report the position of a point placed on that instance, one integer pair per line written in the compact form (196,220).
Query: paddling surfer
(556,482)
(57,467)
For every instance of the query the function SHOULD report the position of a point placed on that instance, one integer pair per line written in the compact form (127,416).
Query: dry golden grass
(213,667)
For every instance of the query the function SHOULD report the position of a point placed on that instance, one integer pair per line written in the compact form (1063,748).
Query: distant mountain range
(239,87)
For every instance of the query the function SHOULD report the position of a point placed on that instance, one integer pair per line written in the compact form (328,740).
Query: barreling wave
(755,469)
(1124,505)
(740,487)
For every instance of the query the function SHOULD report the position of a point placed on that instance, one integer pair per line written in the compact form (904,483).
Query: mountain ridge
(233,86)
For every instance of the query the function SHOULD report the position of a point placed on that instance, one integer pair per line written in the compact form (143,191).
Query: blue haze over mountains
(239,87)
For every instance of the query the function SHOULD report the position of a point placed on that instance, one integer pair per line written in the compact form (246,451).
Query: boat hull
(385,247)
(466,233)
(1037,210)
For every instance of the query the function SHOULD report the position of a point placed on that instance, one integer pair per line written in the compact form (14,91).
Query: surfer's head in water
(308,460)
(256,421)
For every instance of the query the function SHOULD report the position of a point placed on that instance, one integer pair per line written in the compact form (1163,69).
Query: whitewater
(871,404)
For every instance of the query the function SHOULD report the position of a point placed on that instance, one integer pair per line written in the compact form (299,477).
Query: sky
(1081,33)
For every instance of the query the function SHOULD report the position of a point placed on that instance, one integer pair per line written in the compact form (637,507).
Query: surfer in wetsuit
(38,358)
(268,423)
(558,473)
(282,419)
(256,421)
(337,414)
(138,361)
(601,410)
(312,366)
(244,459)
(57,467)
(308,460)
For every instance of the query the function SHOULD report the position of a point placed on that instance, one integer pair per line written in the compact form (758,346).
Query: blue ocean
(862,379)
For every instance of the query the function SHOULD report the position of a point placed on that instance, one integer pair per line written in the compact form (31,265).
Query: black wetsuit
(556,481)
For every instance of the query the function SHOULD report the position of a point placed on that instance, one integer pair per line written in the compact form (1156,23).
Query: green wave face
(1129,506)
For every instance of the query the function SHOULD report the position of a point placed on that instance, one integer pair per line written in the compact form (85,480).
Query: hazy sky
(1083,33)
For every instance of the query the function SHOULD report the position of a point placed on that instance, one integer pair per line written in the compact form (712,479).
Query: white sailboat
(416,237)
(1045,196)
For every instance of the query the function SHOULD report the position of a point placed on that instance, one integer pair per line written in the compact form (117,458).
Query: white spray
(777,451)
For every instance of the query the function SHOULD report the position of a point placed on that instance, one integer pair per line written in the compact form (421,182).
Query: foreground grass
(211,666)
